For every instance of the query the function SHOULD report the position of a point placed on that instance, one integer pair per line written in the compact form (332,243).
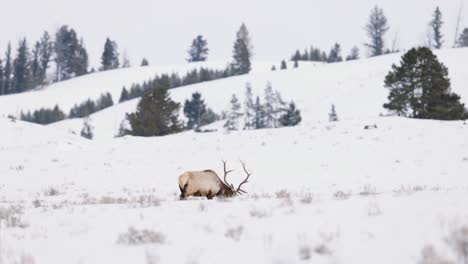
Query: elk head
(229,189)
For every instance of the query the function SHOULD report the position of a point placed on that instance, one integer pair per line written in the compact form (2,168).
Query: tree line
(376,29)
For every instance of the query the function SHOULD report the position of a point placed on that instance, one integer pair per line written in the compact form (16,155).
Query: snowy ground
(320,192)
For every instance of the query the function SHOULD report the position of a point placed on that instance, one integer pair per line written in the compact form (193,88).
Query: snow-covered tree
(332,116)
(436,25)
(249,110)
(234,114)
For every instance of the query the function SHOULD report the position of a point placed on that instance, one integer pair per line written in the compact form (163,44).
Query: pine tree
(259,115)
(124,95)
(354,55)
(87,130)
(297,56)
(36,65)
(291,117)
(296,64)
(156,115)
(269,106)
(279,107)
(198,50)
(332,116)
(242,52)
(45,54)
(110,56)
(273,68)
(23,79)
(335,54)
(283,66)
(463,39)
(234,114)
(249,110)
(8,85)
(420,88)
(71,57)
(194,110)
(436,25)
(376,29)
(144,62)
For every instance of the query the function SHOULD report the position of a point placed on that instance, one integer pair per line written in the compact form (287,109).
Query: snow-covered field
(320,192)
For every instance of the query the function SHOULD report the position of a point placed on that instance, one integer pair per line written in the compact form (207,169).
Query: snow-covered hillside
(320,192)
(356,89)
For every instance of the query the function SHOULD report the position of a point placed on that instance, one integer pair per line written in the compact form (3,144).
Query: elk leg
(182,191)
(209,196)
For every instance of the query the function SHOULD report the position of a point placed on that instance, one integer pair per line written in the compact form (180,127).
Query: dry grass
(134,236)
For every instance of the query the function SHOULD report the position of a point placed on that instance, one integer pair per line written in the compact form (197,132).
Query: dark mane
(210,171)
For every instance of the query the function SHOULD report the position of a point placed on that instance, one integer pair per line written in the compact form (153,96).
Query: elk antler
(239,190)
(225,174)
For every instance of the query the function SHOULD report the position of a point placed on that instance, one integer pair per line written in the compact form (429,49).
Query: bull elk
(207,183)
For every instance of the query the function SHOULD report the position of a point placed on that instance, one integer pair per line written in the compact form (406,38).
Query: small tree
(335,54)
(249,110)
(296,64)
(124,95)
(194,110)
(156,115)
(291,117)
(234,114)
(259,115)
(144,62)
(284,65)
(420,88)
(87,130)
(354,55)
(198,50)
(436,25)
(376,28)
(332,116)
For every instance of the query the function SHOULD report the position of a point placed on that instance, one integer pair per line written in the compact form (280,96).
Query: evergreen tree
(194,110)
(297,56)
(436,25)
(283,66)
(335,54)
(332,116)
(279,107)
(8,85)
(354,55)
(234,114)
(23,79)
(144,62)
(291,117)
(124,95)
(87,130)
(36,65)
(420,88)
(259,115)
(110,56)
(249,110)
(269,106)
(273,68)
(296,64)
(376,29)
(125,60)
(199,50)
(104,101)
(45,54)
(463,39)
(156,115)
(71,57)
(242,52)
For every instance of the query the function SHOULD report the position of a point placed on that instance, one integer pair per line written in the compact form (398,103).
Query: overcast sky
(162,30)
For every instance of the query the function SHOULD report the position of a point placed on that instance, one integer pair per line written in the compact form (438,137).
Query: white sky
(162,30)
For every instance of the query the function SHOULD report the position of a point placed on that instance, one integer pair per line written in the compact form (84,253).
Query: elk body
(207,183)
